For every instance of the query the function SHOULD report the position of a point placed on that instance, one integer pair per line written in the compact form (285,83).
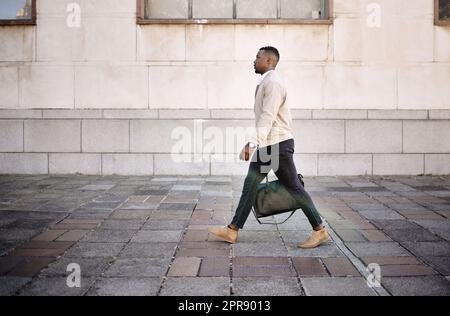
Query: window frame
(31,21)
(437,20)
(140,19)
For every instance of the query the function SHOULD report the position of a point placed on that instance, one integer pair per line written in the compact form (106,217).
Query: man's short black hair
(272,50)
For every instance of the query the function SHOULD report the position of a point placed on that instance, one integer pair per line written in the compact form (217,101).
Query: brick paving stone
(417,286)
(122,224)
(148,250)
(377,249)
(262,271)
(7,263)
(428,249)
(259,236)
(394,224)
(261,261)
(131,214)
(390,260)
(177,206)
(55,286)
(125,287)
(214,267)
(445,213)
(97,187)
(165,224)
(73,235)
(340,267)
(63,226)
(17,234)
(421,215)
(88,266)
(406,270)
(31,266)
(107,235)
(384,214)
(440,264)
(9,285)
(170,215)
(375,236)
(413,235)
(92,250)
(268,286)
(49,235)
(309,267)
(137,198)
(192,252)
(336,287)
(195,235)
(139,206)
(37,252)
(349,235)
(204,245)
(349,224)
(184,267)
(185,286)
(325,250)
(157,236)
(139,267)
(260,249)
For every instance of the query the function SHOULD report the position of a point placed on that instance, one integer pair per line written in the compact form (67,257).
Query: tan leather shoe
(225,233)
(315,239)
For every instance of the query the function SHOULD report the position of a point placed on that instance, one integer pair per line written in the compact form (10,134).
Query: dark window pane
(15,9)
(444,9)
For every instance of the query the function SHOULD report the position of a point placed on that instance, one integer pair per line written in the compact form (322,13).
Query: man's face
(261,62)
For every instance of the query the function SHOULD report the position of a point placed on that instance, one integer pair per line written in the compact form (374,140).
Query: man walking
(274,146)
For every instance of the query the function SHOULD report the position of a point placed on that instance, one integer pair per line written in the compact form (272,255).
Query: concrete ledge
(233,114)
(297,114)
(397,115)
(339,114)
(184,114)
(130,114)
(439,114)
(20,114)
(71,114)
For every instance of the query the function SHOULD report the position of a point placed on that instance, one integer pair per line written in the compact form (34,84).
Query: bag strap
(276,223)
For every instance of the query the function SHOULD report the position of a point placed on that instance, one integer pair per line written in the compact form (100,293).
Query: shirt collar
(265,75)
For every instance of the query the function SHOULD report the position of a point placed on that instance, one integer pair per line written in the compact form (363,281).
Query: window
(442,12)
(234,11)
(17,12)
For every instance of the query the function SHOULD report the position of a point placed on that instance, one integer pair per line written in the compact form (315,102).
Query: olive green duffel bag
(273,198)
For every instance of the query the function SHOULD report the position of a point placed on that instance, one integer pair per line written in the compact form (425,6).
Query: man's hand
(247,152)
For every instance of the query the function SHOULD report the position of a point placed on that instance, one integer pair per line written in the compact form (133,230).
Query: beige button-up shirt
(273,120)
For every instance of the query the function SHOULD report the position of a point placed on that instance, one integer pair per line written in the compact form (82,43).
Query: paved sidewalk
(147,236)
